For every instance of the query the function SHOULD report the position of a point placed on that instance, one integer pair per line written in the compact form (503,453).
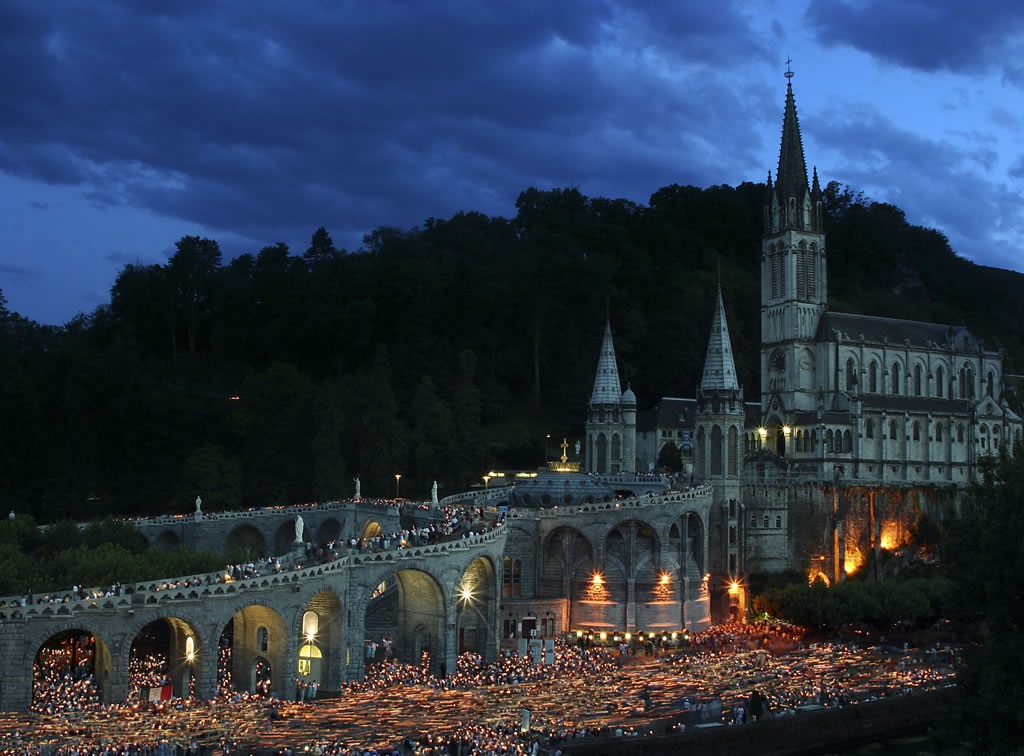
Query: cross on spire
(789,71)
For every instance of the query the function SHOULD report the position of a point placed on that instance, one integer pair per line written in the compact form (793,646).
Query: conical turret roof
(719,366)
(607,389)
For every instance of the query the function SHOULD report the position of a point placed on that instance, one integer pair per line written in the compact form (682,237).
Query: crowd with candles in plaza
(598,685)
(731,674)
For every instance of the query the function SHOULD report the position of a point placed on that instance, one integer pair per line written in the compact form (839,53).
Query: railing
(212,584)
(296,509)
(635,502)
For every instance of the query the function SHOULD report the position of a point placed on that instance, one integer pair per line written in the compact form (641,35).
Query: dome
(560,489)
(628,397)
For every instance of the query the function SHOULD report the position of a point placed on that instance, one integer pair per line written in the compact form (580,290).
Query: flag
(157,693)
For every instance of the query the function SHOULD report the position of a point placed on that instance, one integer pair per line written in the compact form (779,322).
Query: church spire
(607,389)
(791,178)
(719,366)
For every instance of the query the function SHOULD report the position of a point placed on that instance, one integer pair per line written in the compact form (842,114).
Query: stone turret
(611,416)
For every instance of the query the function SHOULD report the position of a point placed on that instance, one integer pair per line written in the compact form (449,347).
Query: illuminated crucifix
(564,445)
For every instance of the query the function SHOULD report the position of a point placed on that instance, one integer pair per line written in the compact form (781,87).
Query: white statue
(433,493)
(358,496)
(199,505)
(299,527)
(577,447)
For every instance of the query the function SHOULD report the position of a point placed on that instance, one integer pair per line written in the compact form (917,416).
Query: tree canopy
(436,352)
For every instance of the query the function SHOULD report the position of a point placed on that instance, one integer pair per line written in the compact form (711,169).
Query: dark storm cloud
(270,120)
(928,35)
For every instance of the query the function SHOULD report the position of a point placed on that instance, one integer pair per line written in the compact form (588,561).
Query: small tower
(719,419)
(611,417)
(718,457)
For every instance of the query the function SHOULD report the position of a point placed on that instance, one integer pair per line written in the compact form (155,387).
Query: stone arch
(327,531)
(318,630)
(475,607)
(565,555)
(167,539)
(411,612)
(246,540)
(371,529)
(168,647)
(284,536)
(240,646)
(72,652)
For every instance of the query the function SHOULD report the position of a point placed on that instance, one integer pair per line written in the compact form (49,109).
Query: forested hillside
(435,352)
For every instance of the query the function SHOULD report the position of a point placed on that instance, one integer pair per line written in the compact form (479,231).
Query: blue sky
(125,126)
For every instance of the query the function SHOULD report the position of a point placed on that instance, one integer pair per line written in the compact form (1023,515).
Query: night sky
(126,125)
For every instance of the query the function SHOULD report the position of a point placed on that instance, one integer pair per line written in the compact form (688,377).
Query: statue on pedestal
(299,527)
(358,496)
(199,505)
(433,494)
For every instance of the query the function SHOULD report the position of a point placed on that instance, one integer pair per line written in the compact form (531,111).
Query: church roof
(669,413)
(719,366)
(607,389)
(876,330)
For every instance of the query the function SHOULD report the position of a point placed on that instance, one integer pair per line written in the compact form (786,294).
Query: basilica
(861,425)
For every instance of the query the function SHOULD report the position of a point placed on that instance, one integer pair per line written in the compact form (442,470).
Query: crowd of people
(732,674)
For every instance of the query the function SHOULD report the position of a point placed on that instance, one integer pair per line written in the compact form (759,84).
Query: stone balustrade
(212,584)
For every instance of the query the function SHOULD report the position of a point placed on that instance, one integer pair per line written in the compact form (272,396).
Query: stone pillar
(450,647)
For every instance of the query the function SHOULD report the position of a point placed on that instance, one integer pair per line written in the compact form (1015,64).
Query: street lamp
(763,433)
(487,480)
(546,439)
(398,479)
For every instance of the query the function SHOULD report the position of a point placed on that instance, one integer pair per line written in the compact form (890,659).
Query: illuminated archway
(163,660)
(475,606)
(408,613)
(70,670)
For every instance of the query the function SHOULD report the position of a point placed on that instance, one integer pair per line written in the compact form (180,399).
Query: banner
(158,693)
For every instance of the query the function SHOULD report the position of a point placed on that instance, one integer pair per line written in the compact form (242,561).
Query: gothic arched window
(716,450)
(851,375)
(916,431)
(938,431)
(869,428)
(917,380)
(939,381)
(990,383)
(895,378)
(960,433)
(892,430)
(801,259)
(873,377)
(847,441)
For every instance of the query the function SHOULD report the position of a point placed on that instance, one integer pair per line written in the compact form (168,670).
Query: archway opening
(70,672)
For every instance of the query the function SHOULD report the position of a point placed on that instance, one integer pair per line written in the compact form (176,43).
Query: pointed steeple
(607,389)
(719,366)
(791,178)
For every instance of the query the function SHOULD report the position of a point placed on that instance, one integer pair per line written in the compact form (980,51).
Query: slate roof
(893,331)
